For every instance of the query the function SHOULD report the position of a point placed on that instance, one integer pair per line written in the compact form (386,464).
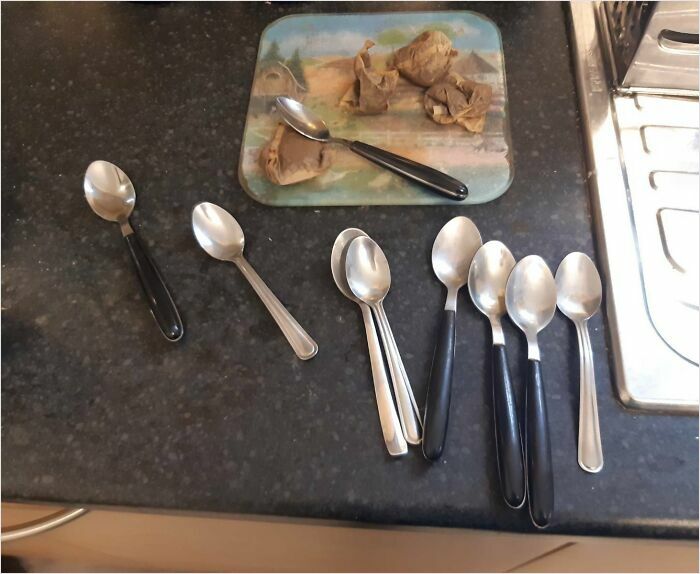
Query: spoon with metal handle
(219,234)
(488,274)
(369,278)
(453,250)
(531,300)
(112,196)
(579,293)
(308,124)
(391,426)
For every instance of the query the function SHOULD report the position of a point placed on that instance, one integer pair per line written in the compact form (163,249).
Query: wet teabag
(425,60)
(290,158)
(458,100)
(372,89)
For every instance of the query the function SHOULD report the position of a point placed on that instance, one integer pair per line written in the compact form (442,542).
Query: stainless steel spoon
(531,300)
(391,426)
(579,293)
(369,278)
(308,124)
(488,275)
(453,250)
(112,196)
(219,234)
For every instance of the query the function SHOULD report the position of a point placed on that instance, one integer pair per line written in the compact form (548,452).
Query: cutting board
(310,58)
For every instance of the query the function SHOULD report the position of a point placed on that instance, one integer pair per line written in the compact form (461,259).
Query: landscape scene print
(310,58)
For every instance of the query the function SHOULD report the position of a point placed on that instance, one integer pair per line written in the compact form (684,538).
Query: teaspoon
(488,275)
(531,299)
(112,196)
(391,426)
(579,293)
(453,250)
(308,124)
(219,234)
(369,278)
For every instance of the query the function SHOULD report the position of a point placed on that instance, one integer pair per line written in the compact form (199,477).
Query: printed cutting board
(310,58)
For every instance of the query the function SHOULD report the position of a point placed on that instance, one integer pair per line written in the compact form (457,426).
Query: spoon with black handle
(531,300)
(308,124)
(111,195)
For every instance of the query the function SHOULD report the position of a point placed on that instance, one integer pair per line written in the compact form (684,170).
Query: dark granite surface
(98,408)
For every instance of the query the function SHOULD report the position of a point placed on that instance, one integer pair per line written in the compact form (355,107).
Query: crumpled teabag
(458,100)
(290,158)
(372,89)
(425,60)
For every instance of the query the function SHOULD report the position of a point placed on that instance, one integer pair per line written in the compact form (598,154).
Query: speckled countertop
(97,408)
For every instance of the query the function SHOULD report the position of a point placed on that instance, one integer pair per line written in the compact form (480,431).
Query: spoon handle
(509,445)
(590,449)
(429,177)
(540,481)
(391,427)
(406,402)
(437,402)
(154,288)
(304,346)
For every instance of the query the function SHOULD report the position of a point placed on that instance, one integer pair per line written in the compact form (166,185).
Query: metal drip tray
(643,155)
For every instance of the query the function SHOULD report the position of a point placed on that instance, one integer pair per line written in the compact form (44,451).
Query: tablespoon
(219,234)
(391,426)
(308,124)
(488,275)
(112,196)
(531,299)
(369,278)
(579,293)
(453,250)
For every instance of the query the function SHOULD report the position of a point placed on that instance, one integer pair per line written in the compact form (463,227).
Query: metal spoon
(488,275)
(112,196)
(219,234)
(308,124)
(579,293)
(391,427)
(369,278)
(531,299)
(453,250)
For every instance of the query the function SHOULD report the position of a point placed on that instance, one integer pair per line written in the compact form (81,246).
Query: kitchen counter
(98,409)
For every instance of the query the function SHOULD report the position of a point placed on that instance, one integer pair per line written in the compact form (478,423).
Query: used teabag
(290,158)
(370,92)
(425,60)
(458,100)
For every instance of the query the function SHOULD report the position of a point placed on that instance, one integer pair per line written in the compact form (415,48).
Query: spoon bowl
(109,191)
(367,270)
(531,295)
(302,119)
(338,259)
(217,231)
(453,250)
(579,290)
(488,275)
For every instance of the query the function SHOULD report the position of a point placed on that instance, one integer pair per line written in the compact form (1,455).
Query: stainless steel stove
(637,75)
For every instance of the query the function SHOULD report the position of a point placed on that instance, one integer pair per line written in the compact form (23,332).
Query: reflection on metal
(40,525)
(643,167)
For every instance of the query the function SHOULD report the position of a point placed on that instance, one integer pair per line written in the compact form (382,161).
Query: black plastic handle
(540,482)
(437,403)
(155,291)
(417,172)
(509,444)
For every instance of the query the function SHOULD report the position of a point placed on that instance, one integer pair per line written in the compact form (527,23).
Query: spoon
(453,250)
(369,278)
(488,275)
(391,427)
(219,234)
(308,124)
(579,294)
(112,196)
(531,299)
